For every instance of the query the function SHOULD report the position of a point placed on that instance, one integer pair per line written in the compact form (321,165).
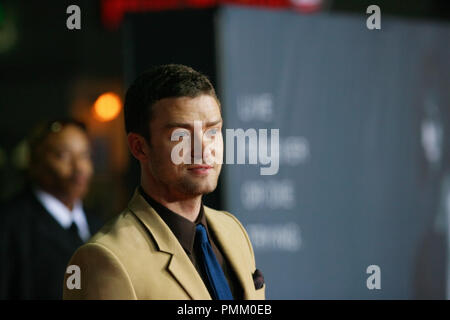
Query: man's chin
(76,194)
(198,189)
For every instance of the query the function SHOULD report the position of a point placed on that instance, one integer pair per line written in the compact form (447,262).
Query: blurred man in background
(41,228)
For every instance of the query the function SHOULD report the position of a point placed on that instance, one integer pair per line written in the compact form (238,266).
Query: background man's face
(65,166)
(172,114)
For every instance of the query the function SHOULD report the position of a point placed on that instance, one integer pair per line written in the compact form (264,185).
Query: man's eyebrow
(213,123)
(178,125)
(189,125)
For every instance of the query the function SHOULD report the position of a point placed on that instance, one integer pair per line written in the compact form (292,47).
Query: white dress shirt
(63,215)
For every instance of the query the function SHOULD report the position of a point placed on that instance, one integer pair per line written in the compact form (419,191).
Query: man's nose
(79,165)
(197,146)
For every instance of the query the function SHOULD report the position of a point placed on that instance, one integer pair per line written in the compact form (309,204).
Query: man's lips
(200,169)
(79,180)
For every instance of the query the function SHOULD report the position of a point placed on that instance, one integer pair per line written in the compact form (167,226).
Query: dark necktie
(74,230)
(216,277)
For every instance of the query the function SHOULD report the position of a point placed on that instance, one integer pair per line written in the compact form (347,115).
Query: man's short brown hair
(164,81)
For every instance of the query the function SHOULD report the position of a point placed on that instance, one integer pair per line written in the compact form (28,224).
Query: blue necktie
(216,277)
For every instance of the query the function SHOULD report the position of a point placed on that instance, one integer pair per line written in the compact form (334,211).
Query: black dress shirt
(184,231)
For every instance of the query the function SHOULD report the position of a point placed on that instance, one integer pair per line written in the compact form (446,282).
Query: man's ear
(138,146)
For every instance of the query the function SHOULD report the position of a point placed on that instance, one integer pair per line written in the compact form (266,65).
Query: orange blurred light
(107,106)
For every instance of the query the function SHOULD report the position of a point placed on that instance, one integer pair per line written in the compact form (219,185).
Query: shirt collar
(182,228)
(62,214)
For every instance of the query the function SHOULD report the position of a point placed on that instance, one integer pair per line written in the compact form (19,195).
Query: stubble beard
(187,185)
(191,187)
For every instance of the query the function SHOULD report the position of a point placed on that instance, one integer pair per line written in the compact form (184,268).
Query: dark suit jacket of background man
(34,249)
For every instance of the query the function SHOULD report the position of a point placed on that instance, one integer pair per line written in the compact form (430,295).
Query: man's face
(170,114)
(65,166)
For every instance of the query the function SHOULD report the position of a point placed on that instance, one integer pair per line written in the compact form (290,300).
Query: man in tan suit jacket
(149,251)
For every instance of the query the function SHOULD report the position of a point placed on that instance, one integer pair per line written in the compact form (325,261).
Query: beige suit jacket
(136,256)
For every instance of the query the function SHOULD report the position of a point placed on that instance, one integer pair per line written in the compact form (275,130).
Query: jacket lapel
(180,266)
(231,248)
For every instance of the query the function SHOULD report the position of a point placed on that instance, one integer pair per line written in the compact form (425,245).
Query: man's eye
(179,133)
(63,155)
(212,132)
(182,134)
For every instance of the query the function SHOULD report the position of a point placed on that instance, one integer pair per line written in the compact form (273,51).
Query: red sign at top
(114,10)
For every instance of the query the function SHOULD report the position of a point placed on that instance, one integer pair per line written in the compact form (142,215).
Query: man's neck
(66,201)
(187,207)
